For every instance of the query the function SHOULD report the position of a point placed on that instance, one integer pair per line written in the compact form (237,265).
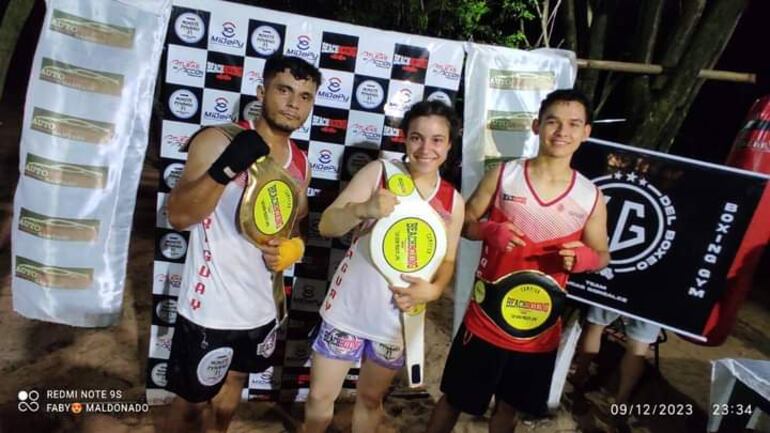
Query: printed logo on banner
(224,71)
(268,379)
(401,96)
(644,231)
(329,124)
(174,138)
(393,138)
(251,108)
(364,129)
(228,35)
(438,94)
(165,311)
(446,70)
(375,58)
(325,159)
(304,47)
(185,66)
(265,38)
(172,172)
(189,26)
(335,90)
(338,51)
(160,341)
(521,80)
(369,93)
(308,294)
(167,278)
(356,158)
(184,103)
(158,374)
(219,107)
(252,75)
(410,63)
(173,246)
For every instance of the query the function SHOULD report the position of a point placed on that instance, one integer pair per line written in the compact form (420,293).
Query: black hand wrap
(245,148)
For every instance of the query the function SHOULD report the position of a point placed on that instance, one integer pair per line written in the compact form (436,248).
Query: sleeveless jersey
(225,283)
(359,301)
(546,226)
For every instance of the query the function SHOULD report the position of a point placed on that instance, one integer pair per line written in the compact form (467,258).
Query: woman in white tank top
(361,311)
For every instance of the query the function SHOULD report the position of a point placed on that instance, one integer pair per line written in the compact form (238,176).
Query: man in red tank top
(531,215)
(209,364)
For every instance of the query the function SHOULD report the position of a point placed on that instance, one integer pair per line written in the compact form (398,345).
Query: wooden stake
(643,68)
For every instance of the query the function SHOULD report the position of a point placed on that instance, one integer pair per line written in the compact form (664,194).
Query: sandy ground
(39,355)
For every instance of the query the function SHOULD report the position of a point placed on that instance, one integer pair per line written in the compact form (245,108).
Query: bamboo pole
(642,68)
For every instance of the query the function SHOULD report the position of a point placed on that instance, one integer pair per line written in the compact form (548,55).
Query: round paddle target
(409,245)
(524,304)
(273,207)
(401,184)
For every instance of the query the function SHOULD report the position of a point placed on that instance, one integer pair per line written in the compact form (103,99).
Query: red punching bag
(751,151)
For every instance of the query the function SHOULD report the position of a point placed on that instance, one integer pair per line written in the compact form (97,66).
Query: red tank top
(546,226)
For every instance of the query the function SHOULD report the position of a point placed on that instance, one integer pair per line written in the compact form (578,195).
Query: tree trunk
(589,79)
(16,14)
(667,111)
(643,49)
(689,17)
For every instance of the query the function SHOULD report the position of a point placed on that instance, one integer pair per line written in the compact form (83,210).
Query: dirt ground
(41,356)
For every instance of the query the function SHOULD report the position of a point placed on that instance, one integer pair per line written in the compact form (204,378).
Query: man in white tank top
(227,316)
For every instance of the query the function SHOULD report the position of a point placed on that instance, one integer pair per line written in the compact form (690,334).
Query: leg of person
(590,343)
(197,367)
(334,352)
(184,417)
(252,351)
(381,364)
(471,374)
(443,418)
(640,336)
(224,404)
(524,387)
(503,418)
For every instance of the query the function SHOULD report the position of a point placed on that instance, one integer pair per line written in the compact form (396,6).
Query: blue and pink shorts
(334,343)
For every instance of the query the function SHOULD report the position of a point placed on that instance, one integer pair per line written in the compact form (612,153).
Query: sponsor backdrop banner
(215,55)
(84,135)
(675,227)
(504,88)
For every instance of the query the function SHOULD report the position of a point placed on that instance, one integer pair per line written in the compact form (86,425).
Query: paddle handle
(414,344)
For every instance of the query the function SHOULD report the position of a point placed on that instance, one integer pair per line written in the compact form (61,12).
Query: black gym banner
(675,227)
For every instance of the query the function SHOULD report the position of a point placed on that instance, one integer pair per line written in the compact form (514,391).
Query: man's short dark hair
(433,108)
(300,69)
(567,95)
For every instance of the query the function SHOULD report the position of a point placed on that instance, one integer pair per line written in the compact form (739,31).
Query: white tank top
(225,283)
(359,301)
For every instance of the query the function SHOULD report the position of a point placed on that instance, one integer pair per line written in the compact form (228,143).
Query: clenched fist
(380,204)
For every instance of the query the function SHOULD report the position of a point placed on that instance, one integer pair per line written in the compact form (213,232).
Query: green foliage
(497,22)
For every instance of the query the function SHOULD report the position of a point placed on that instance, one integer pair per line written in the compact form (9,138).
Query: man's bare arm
(196,194)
